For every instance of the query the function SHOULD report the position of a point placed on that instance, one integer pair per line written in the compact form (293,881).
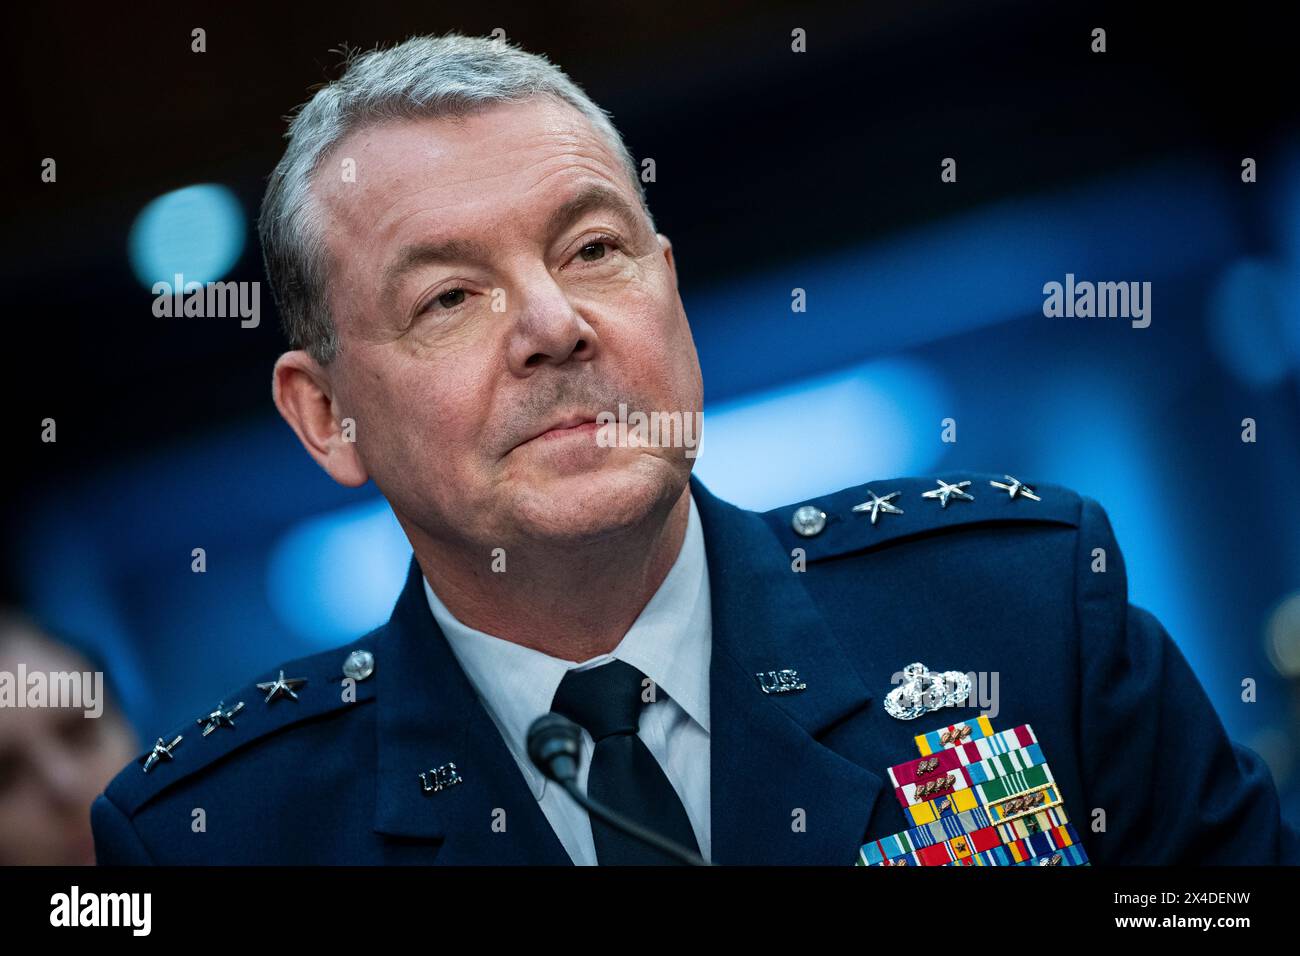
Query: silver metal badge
(1015,488)
(924,691)
(780,682)
(161,751)
(359,665)
(440,778)
(219,718)
(275,689)
(946,491)
(877,504)
(808,521)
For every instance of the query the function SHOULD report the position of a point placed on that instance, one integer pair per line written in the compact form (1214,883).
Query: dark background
(774,171)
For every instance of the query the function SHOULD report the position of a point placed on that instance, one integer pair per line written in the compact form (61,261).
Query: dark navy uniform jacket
(998,584)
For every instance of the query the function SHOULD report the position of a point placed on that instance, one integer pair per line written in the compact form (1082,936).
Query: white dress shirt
(670,642)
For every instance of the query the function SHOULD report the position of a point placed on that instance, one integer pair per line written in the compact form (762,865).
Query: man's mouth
(575,425)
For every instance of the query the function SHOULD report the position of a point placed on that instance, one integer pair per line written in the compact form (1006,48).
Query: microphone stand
(553,748)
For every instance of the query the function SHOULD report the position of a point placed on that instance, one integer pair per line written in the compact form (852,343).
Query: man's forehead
(501,148)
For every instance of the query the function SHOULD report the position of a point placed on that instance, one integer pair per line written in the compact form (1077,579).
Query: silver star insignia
(878,504)
(219,718)
(161,751)
(946,491)
(1016,488)
(280,687)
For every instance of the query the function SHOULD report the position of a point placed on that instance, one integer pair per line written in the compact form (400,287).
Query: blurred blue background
(924,302)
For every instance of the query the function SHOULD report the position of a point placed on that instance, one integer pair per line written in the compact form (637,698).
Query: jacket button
(808,521)
(359,665)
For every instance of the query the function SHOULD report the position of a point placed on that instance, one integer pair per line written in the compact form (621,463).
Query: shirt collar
(670,642)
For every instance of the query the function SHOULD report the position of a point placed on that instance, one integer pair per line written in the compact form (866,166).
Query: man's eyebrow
(590,198)
(427,253)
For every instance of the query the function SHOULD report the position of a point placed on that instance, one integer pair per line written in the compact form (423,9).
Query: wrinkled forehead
(501,157)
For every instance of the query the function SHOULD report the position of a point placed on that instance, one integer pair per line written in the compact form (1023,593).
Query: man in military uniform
(469,277)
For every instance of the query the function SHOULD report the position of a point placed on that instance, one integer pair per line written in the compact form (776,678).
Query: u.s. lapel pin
(784,681)
(440,778)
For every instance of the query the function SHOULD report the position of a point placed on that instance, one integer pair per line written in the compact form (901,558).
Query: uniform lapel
(430,716)
(780,794)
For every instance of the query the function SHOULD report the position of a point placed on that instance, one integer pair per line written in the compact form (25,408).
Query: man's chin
(591,504)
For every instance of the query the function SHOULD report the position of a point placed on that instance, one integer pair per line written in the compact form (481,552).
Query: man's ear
(303,395)
(667,248)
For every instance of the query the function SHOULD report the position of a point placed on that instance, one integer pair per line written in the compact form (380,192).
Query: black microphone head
(551,739)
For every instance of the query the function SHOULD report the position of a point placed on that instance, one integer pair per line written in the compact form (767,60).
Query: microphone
(554,743)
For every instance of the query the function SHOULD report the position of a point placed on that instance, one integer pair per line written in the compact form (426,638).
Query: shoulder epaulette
(841,523)
(294,692)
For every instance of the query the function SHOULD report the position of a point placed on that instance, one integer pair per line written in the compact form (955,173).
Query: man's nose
(547,329)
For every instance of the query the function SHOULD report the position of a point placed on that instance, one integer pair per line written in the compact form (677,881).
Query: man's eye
(451,298)
(593,251)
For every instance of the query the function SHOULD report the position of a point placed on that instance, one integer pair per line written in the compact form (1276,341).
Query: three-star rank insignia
(810,520)
(978,798)
(281,687)
(220,717)
(877,505)
(946,491)
(1014,488)
(161,751)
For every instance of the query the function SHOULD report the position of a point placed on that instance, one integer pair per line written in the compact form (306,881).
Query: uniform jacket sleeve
(1173,788)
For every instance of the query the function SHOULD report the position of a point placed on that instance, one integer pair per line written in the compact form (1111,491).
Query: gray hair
(451,75)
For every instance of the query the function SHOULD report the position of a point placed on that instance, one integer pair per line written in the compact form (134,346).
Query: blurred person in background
(53,759)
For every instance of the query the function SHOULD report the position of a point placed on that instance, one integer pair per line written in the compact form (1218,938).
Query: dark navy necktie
(624,775)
